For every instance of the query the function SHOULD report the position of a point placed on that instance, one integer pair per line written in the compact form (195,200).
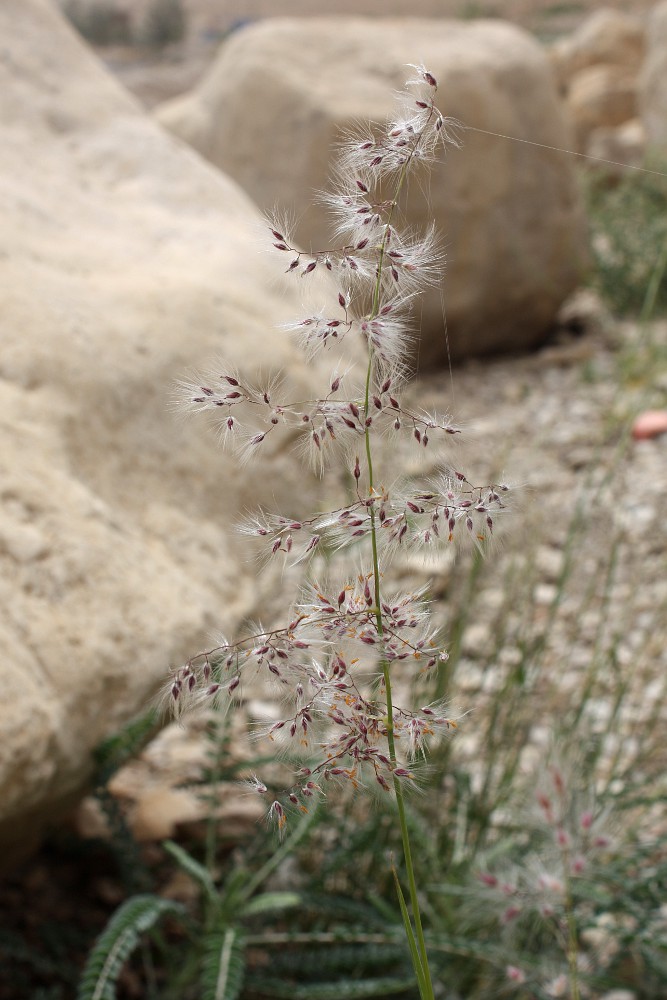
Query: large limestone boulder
(600,96)
(124,259)
(281,92)
(653,79)
(607,37)
(620,147)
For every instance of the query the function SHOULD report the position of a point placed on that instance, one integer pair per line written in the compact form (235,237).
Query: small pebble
(649,424)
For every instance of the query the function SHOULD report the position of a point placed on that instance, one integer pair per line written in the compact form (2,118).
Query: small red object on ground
(649,424)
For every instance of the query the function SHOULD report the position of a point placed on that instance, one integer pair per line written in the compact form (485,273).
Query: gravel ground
(582,567)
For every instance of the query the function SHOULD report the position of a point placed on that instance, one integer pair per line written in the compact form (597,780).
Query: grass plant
(337,658)
(534,863)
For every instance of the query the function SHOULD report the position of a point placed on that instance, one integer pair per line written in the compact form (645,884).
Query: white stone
(607,36)
(124,260)
(619,147)
(601,96)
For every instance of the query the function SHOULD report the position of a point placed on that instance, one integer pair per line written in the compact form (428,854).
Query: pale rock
(413,569)
(569,681)
(545,594)
(598,712)
(541,735)
(619,147)
(476,639)
(471,679)
(494,599)
(182,888)
(124,260)
(607,36)
(549,563)
(281,92)
(160,811)
(653,79)
(600,96)
(510,656)
(89,820)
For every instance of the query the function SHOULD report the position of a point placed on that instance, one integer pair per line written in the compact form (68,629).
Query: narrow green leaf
(339,990)
(271,901)
(412,944)
(192,867)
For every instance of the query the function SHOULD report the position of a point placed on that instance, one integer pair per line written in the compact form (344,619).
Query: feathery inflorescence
(332,662)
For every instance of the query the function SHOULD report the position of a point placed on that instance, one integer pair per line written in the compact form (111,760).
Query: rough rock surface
(653,79)
(600,96)
(281,92)
(625,144)
(124,259)
(610,37)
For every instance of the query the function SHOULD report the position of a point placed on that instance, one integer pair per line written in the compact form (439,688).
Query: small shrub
(629,239)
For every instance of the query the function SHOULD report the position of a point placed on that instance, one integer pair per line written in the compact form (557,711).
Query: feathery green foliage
(338,990)
(224,965)
(117,942)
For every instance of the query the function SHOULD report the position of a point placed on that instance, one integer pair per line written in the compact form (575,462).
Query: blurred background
(141,141)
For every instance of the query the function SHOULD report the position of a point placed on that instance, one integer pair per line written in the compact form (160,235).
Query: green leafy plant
(628,221)
(135,917)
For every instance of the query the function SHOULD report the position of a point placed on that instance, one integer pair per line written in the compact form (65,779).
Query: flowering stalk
(335,658)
